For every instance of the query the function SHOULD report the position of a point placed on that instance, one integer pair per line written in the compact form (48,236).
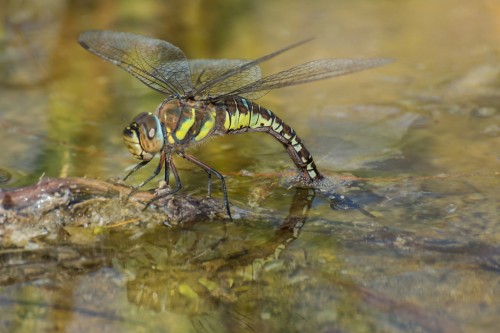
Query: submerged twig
(50,204)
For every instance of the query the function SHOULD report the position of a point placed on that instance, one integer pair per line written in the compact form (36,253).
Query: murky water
(415,143)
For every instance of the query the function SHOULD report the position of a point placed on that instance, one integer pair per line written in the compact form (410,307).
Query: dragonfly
(207,98)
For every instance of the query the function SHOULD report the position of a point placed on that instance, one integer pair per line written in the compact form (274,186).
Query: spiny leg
(167,173)
(155,173)
(209,189)
(169,165)
(137,167)
(210,170)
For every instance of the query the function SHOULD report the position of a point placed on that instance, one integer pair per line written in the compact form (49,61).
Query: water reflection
(31,30)
(184,270)
(421,135)
(219,277)
(5,176)
(191,272)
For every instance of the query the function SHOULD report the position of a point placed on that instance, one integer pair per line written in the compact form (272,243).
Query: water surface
(415,143)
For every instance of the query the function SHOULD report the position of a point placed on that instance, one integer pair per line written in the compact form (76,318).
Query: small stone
(492,130)
(484,112)
(451,208)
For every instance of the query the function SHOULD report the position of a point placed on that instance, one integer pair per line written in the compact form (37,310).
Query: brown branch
(32,211)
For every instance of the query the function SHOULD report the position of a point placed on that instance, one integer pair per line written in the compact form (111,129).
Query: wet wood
(45,207)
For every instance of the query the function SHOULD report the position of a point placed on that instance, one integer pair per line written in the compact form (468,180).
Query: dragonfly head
(144,136)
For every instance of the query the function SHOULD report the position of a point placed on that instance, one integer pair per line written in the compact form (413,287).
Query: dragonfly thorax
(144,136)
(186,121)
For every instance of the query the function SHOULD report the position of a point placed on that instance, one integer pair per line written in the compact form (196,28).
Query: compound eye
(150,133)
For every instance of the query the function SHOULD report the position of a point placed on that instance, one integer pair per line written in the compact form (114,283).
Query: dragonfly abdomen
(245,116)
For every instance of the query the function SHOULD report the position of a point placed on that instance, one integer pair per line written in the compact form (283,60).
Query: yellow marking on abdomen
(254,120)
(312,173)
(243,120)
(277,126)
(265,122)
(232,120)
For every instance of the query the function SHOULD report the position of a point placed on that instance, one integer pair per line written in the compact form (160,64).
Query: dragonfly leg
(209,189)
(167,173)
(155,173)
(137,167)
(210,170)
(169,165)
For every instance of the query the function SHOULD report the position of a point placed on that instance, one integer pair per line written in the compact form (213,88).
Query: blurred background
(415,142)
(62,109)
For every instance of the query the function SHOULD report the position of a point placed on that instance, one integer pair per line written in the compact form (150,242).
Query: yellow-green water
(416,143)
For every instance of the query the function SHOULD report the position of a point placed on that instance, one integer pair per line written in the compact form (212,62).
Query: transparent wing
(205,70)
(164,67)
(310,71)
(244,68)
(158,64)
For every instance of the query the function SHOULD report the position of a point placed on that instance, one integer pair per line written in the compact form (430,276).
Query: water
(415,143)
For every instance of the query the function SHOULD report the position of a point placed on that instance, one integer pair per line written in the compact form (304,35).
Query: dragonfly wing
(205,70)
(310,71)
(202,88)
(157,63)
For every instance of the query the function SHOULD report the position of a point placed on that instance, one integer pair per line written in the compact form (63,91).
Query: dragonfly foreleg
(210,170)
(137,167)
(155,173)
(169,165)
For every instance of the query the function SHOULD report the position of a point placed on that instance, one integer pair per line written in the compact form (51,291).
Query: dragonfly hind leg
(210,171)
